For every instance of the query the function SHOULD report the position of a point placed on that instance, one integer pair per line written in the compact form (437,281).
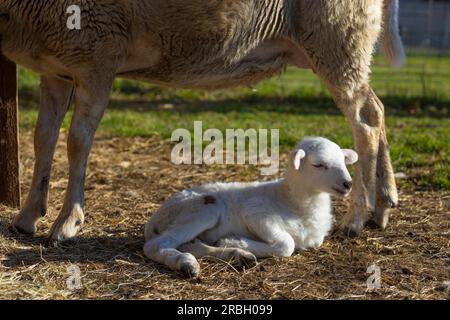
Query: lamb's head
(319,165)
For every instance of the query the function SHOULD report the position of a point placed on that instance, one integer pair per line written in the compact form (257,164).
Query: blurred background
(417,99)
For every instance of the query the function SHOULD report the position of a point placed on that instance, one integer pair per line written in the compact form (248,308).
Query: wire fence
(425,24)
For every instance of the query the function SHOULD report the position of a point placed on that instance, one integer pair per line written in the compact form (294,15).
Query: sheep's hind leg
(163,248)
(345,67)
(238,257)
(53,107)
(366,119)
(387,196)
(359,104)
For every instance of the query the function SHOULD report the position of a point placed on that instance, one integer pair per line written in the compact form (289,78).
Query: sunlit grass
(417,100)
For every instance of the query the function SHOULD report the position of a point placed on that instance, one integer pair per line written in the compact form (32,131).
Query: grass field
(130,175)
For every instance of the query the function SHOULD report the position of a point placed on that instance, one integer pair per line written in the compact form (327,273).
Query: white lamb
(243,221)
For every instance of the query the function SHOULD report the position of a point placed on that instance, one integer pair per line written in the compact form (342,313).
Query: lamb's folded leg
(237,256)
(281,244)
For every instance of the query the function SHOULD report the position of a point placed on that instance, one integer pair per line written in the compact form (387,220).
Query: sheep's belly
(213,70)
(211,76)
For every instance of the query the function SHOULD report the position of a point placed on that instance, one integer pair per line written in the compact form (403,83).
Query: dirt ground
(128,179)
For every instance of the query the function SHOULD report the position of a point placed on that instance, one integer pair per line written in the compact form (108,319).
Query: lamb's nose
(348,185)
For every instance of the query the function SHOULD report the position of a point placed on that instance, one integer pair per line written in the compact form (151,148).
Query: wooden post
(9,138)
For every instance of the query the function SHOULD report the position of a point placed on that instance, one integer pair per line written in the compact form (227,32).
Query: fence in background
(425,24)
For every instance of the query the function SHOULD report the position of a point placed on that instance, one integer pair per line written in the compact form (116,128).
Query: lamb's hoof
(244,259)
(190,269)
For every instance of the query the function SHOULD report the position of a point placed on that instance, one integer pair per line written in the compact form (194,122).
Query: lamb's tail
(391,42)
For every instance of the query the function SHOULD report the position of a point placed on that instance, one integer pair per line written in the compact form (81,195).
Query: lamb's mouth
(340,192)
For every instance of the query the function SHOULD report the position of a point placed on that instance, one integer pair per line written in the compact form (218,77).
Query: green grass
(417,100)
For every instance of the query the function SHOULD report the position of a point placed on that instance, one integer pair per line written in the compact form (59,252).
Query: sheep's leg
(377,180)
(344,65)
(91,99)
(239,257)
(366,119)
(360,106)
(387,196)
(163,248)
(55,94)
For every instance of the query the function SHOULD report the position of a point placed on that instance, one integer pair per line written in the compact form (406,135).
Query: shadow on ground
(319,104)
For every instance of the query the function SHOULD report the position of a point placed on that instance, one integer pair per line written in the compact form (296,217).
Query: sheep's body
(232,205)
(198,44)
(229,43)
(243,221)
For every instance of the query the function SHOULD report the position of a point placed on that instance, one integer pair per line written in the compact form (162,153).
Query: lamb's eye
(320,166)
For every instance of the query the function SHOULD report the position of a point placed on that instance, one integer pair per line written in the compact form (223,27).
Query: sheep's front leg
(91,100)
(55,94)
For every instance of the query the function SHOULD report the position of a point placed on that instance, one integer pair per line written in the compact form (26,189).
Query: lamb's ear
(297,157)
(351,157)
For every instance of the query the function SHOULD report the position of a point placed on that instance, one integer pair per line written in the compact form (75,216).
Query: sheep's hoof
(67,226)
(350,232)
(17,229)
(372,224)
(190,269)
(24,225)
(61,234)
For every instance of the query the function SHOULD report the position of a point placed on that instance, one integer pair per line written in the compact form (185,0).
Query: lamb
(245,221)
(198,44)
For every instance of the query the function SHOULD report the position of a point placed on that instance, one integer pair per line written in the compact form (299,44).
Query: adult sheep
(198,44)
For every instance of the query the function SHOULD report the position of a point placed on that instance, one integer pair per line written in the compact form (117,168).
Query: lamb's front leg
(91,100)
(237,256)
(53,107)
(275,244)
